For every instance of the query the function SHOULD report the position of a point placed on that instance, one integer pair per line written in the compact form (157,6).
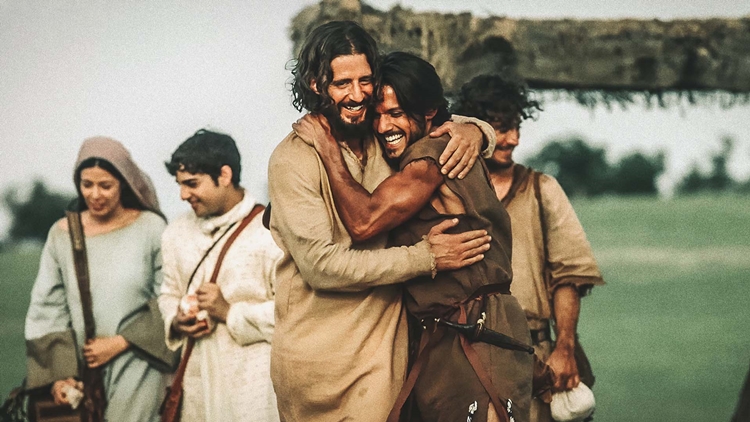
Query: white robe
(228,374)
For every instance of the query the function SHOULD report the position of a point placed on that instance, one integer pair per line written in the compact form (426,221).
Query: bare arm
(394,201)
(567,306)
(301,224)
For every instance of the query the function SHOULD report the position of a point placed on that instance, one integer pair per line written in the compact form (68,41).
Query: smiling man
(227,376)
(340,345)
(457,379)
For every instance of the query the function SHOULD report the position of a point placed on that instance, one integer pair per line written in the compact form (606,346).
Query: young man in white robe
(228,374)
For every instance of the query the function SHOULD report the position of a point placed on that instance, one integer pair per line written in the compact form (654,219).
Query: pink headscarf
(114,152)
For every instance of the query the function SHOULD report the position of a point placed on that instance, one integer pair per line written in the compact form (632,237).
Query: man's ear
(429,116)
(314,86)
(225,177)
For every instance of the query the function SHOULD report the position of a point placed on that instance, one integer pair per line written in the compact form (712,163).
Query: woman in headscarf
(122,227)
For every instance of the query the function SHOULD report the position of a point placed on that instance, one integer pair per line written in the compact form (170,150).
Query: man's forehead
(350,66)
(183,175)
(387,100)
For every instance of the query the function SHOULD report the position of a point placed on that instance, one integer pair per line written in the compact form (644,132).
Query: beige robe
(340,347)
(571,260)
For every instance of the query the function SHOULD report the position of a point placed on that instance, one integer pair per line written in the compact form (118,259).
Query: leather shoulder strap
(78,242)
(538,195)
(245,221)
(171,405)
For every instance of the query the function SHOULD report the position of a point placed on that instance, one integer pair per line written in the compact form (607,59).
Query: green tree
(636,174)
(693,182)
(33,217)
(717,180)
(580,168)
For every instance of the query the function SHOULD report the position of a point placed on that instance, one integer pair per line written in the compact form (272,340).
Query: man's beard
(494,166)
(346,130)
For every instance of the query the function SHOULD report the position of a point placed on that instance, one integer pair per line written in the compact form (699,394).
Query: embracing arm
(469,136)
(394,201)
(303,223)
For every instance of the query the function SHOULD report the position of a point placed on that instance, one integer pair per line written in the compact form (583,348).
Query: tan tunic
(571,260)
(340,346)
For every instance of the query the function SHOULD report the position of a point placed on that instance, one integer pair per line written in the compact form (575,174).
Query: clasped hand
(209,299)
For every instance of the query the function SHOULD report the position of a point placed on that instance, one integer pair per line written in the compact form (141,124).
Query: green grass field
(667,336)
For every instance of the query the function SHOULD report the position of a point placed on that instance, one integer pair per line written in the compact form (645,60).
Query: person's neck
(502,179)
(234,197)
(357,145)
(119,217)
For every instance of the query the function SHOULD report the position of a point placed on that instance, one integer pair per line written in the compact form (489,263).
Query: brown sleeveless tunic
(448,385)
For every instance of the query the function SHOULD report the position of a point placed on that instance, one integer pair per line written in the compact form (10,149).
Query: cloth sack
(574,405)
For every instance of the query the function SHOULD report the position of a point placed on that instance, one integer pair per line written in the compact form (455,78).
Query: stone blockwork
(604,55)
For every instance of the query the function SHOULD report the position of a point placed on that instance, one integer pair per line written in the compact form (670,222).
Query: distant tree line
(33,216)
(717,179)
(583,169)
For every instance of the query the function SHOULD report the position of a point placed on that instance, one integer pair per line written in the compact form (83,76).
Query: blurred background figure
(122,225)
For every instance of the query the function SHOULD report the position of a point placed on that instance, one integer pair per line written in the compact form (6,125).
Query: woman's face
(101,191)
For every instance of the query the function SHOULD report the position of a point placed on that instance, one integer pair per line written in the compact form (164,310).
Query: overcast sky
(150,73)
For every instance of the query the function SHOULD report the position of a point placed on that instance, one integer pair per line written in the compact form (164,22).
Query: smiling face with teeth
(393,127)
(350,91)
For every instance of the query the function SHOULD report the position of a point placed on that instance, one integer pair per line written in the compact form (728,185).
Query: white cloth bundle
(73,395)
(574,405)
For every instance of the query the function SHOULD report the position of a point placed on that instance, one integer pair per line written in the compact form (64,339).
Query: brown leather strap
(426,342)
(484,378)
(78,242)
(538,195)
(245,221)
(172,402)
(95,400)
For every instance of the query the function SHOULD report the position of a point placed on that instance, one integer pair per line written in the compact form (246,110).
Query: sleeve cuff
(174,342)
(582,284)
(50,358)
(487,130)
(251,323)
(424,259)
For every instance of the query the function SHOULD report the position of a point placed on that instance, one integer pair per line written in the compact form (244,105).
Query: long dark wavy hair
(325,43)
(416,84)
(127,196)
